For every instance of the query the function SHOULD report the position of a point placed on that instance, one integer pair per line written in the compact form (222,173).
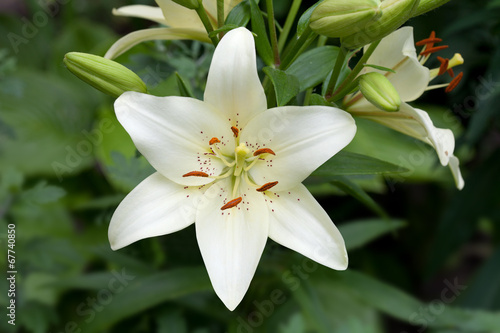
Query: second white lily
(233,167)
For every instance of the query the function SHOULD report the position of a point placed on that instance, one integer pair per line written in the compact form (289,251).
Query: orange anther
(451,72)
(236,131)
(263,151)
(213,140)
(267,186)
(428,41)
(195,174)
(444,65)
(454,82)
(433,49)
(232,203)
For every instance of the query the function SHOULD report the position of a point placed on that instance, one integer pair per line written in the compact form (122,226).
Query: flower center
(237,167)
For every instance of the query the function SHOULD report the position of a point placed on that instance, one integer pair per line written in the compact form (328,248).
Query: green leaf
(354,190)
(304,19)
(142,293)
(127,173)
(360,232)
(42,193)
(261,41)
(313,66)
(240,15)
(184,88)
(380,68)
(224,28)
(346,163)
(286,86)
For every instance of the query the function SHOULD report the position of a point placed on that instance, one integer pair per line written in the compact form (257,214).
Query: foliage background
(66,163)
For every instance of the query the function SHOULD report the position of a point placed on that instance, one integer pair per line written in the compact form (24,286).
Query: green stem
(345,87)
(206,22)
(294,9)
(220,13)
(293,51)
(336,71)
(272,31)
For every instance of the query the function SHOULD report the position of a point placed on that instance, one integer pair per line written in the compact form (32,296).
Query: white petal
(233,86)
(146,12)
(178,16)
(231,241)
(302,138)
(455,170)
(155,207)
(128,41)
(298,222)
(397,51)
(173,133)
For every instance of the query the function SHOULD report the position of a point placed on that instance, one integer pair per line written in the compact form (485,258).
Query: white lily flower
(233,167)
(183,23)
(411,78)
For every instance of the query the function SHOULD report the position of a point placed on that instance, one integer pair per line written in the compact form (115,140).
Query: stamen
(232,203)
(451,72)
(213,140)
(267,186)
(444,65)
(428,41)
(263,151)
(454,83)
(235,130)
(433,50)
(195,174)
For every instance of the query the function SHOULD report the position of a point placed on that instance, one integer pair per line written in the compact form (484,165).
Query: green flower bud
(379,91)
(103,74)
(338,18)
(394,14)
(191,4)
(426,5)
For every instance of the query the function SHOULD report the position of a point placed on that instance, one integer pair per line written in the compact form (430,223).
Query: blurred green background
(66,163)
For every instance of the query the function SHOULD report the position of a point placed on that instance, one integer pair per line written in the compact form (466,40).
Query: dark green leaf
(354,190)
(286,86)
(358,233)
(240,15)
(142,293)
(304,19)
(42,193)
(184,88)
(347,163)
(313,66)
(261,41)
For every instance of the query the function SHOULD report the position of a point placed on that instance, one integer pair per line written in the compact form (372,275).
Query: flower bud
(338,18)
(394,14)
(379,91)
(191,4)
(103,74)
(426,5)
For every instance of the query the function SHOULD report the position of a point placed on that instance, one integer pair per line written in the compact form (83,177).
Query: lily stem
(272,31)
(292,13)
(297,47)
(345,87)
(206,23)
(220,16)
(336,71)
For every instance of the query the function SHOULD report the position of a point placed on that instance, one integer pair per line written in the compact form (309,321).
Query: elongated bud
(103,74)
(191,4)
(394,14)
(426,5)
(379,91)
(338,18)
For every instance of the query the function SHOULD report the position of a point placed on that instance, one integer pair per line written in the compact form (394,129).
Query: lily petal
(233,85)
(302,138)
(155,207)
(298,222)
(455,171)
(173,133)
(128,41)
(397,51)
(232,240)
(142,11)
(178,16)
